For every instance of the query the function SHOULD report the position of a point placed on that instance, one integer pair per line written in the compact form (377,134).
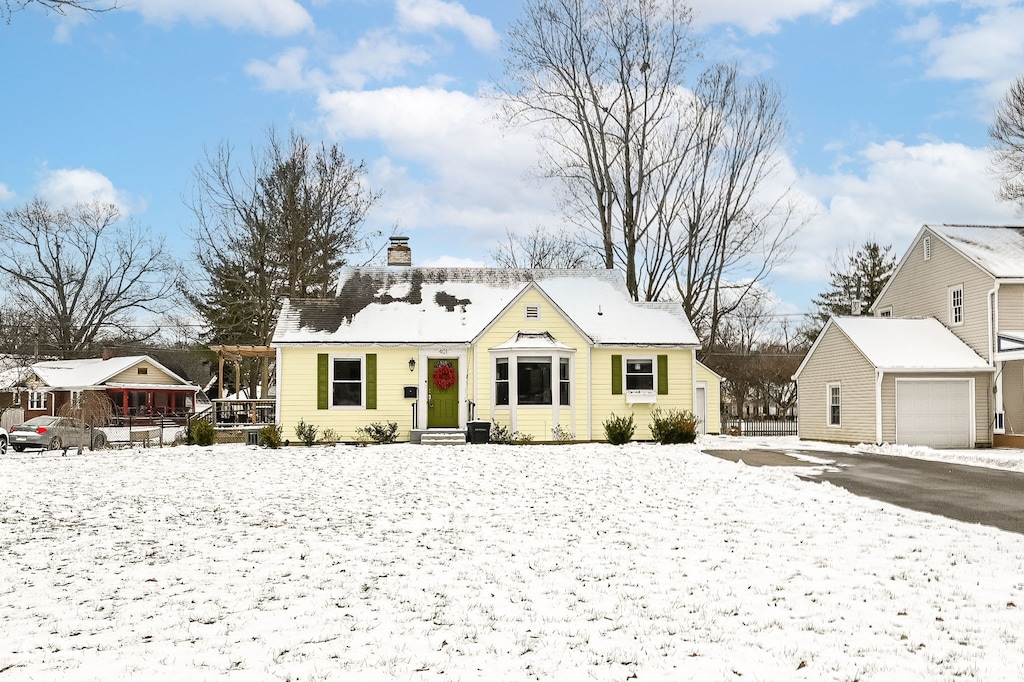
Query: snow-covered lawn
(486,562)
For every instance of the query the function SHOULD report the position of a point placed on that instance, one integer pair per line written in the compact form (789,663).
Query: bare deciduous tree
(542,249)
(280,228)
(61,7)
(82,272)
(670,178)
(1007,133)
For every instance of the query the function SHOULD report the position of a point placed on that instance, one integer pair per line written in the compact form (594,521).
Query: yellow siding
(679,397)
(921,289)
(299,390)
(153,375)
(534,421)
(835,359)
(714,394)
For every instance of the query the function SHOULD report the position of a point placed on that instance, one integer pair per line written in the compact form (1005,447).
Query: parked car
(54,433)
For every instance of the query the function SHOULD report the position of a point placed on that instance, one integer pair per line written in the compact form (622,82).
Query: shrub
(378,433)
(201,432)
(502,436)
(270,436)
(619,430)
(560,435)
(673,426)
(305,432)
(330,436)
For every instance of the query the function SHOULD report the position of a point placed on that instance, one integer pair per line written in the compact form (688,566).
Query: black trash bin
(479,432)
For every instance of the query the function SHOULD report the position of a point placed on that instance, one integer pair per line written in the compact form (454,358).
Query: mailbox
(410,391)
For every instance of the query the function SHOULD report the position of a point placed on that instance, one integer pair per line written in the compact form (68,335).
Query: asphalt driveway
(992,497)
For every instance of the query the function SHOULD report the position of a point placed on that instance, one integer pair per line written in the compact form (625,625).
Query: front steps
(440,437)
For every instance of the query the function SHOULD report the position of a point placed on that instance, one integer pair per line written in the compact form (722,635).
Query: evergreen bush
(379,433)
(201,432)
(305,432)
(270,436)
(619,430)
(673,426)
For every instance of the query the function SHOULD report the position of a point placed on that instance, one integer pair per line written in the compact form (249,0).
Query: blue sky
(888,103)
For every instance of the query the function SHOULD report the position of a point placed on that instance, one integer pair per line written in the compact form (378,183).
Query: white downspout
(878,406)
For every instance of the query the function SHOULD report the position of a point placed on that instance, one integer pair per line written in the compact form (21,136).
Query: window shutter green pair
(323,381)
(617,375)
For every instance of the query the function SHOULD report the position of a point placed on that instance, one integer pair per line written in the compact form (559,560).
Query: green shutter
(662,375)
(371,381)
(616,375)
(322,381)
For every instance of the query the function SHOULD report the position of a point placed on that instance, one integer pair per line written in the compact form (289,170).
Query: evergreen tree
(856,281)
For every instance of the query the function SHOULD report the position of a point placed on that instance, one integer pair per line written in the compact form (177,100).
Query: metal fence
(148,432)
(759,427)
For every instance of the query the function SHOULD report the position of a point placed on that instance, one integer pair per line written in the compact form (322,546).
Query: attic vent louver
(926,247)
(532,312)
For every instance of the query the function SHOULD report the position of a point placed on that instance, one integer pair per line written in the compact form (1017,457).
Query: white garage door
(934,413)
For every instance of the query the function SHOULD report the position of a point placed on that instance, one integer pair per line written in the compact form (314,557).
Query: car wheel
(99,441)
(3,445)
(54,444)
(18,448)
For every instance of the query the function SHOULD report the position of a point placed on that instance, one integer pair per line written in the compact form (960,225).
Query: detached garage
(889,380)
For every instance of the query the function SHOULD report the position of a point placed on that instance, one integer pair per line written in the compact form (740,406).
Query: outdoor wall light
(412,364)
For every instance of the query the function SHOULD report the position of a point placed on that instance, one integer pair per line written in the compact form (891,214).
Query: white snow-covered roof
(91,371)
(455,305)
(997,249)
(892,343)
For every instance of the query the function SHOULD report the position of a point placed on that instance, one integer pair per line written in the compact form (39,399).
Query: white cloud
(274,17)
(446,162)
(378,56)
(758,16)
(287,73)
(427,15)
(68,186)
(6,194)
(901,188)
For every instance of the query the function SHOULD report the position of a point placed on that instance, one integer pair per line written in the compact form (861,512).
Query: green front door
(442,401)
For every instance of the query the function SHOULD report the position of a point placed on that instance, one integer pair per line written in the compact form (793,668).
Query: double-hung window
(347,382)
(835,404)
(529,380)
(37,400)
(956,305)
(639,374)
(501,381)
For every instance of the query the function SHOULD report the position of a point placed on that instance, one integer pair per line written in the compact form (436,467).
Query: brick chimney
(399,252)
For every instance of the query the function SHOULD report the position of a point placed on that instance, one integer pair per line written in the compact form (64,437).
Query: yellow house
(548,353)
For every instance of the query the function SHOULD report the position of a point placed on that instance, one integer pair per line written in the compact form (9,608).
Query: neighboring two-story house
(900,378)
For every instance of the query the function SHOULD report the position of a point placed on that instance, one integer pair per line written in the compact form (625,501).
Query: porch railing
(228,412)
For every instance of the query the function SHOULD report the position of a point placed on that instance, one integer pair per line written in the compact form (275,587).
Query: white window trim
(37,400)
(362,382)
(828,404)
(513,378)
(641,396)
(953,290)
(885,312)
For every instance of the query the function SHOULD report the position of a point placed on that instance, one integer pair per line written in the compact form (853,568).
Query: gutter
(878,405)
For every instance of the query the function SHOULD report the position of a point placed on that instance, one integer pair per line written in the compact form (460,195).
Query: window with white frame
(347,382)
(37,400)
(501,381)
(885,312)
(956,304)
(528,379)
(835,404)
(639,374)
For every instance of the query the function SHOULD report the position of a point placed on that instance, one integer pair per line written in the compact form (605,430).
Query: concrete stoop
(442,437)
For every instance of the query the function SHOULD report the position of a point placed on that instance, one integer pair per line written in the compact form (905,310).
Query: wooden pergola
(235,354)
